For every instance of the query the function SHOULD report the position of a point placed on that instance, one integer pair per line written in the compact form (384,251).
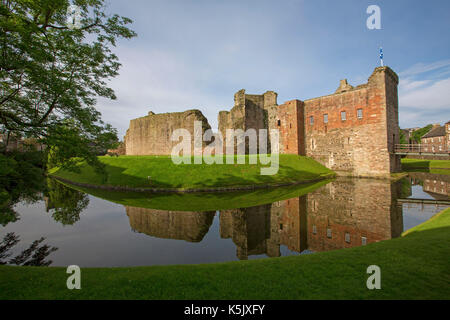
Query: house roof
(436,132)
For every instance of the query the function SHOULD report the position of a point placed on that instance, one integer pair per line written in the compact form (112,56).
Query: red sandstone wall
(354,146)
(291,125)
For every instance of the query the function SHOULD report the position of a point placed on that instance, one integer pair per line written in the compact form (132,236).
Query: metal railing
(420,148)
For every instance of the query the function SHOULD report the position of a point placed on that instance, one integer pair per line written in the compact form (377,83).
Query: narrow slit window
(343,115)
(279,123)
(363,241)
(311,120)
(360,113)
(325,118)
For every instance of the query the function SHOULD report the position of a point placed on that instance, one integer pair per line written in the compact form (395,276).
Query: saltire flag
(381,56)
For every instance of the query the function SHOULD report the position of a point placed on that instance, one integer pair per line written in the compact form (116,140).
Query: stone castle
(353,131)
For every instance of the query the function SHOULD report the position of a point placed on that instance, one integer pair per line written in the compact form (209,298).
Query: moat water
(92,232)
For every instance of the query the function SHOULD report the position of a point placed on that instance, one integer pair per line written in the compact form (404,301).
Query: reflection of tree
(35,255)
(21,179)
(66,203)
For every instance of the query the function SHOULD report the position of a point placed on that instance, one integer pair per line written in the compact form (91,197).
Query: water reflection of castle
(339,215)
(179,225)
(342,214)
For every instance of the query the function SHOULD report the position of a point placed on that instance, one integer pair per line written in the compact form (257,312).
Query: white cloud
(424,94)
(409,84)
(420,68)
(433,97)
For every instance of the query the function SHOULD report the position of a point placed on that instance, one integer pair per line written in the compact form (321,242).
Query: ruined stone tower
(250,111)
(353,131)
(151,135)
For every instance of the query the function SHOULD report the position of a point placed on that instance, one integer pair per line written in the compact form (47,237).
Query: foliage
(403,138)
(69,144)
(418,134)
(51,74)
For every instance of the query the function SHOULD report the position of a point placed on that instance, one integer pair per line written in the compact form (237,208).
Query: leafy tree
(418,134)
(52,73)
(403,138)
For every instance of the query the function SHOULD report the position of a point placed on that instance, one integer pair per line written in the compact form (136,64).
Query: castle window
(314,229)
(363,241)
(360,113)
(347,237)
(329,234)
(343,115)
(279,123)
(325,118)
(311,120)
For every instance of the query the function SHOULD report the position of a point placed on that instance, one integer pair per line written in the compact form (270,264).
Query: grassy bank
(161,172)
(432,166)
(414,266)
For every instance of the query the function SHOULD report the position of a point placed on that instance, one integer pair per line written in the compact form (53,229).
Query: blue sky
(198,53)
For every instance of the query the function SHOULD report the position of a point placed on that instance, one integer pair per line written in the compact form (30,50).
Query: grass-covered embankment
(432,166)
(414,266)
(159,172)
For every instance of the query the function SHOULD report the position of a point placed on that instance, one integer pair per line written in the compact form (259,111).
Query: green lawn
(432,166)
(134,172)
(414,266)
